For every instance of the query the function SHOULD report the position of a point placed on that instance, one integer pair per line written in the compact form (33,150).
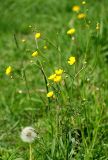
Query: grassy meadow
(69,112)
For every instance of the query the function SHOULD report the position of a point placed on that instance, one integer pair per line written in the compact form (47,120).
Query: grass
(74,125)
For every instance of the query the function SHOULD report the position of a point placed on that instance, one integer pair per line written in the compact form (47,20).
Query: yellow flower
(45,47)
(58,72)
(8,70)
(52,77)
(83,2)
(81,16)
(71,31)
(50,94)
(76,8)
(71,60)
(37,35)
(35,54)
(57,78)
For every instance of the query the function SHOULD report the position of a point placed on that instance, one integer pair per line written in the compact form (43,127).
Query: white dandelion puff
(28,134)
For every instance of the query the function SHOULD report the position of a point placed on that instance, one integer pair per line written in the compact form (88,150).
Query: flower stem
(30,147)
(16,42)
(26,83)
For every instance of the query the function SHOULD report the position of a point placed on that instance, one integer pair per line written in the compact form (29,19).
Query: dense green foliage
(74,125)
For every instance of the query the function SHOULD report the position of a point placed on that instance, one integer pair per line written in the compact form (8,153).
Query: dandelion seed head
(28,134)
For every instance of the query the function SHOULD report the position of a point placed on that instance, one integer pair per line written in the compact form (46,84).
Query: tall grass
(72,124)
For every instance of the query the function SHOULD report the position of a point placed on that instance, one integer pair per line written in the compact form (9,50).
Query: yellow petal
(50,94)
(37,35)
(8,70)
(71,31)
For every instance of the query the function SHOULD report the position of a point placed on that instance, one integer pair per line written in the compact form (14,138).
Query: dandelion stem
(30,147)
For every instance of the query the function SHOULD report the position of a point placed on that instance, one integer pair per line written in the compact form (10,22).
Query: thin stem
(30,147)
(16,41)
(45,79)
(84,66)
(56,47)
(25,78)
(26,83)
(36,43)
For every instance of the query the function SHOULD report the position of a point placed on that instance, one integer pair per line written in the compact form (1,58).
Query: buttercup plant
(56,88)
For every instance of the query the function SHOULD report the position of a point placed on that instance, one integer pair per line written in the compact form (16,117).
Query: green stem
(44,75)
(56,47)
(45,79)
(25,78)
(30,147)
(26,83)
(36,43)
(16,41)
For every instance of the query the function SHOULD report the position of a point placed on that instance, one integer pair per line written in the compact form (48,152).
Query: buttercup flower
(8,70)
(76,8)
(28,134)
(57,78)
(35,54)
(50,94)
(81,16)
(71,31)
(52,77)
(71,60)
(58,72)
(37,35)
